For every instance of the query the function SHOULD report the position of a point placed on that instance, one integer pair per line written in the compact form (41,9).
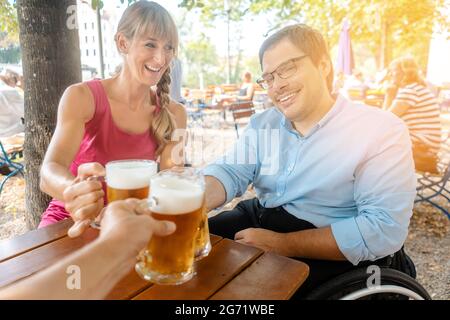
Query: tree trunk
(51,62)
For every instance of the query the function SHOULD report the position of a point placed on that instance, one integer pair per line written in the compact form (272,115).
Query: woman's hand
(83,199)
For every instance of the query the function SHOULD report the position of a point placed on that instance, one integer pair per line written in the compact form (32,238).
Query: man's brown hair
(307,39)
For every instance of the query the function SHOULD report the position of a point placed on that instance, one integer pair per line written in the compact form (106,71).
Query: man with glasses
(334,180)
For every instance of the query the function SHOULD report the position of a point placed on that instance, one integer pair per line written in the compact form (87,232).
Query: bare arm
(399,108)
(98,265)
(83,199)
(76,107)
(391,92)
(173,153)
(214,193)
(313,244)
(126,229)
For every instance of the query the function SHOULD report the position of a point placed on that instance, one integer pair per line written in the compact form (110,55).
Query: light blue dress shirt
(354,171)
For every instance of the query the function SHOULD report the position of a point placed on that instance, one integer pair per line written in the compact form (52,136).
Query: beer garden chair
(8,153)
(431,187)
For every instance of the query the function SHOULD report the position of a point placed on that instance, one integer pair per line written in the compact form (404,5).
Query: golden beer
(202,241)
(175,196)
(162,250)
(122,194)
(129,179)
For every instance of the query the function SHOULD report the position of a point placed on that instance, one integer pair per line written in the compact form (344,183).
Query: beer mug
(129,179)
(202,242)
(176,195)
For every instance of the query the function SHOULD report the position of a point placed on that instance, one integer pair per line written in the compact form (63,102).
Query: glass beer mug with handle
(202,241)
(176,195)
(124,179)
(129,179)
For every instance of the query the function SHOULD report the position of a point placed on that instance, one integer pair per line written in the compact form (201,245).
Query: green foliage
(9,23)
(211,10)
(190,4)
(251,64)
(200,58)
(408,24)
(10,55)
(100,3)
(233,12)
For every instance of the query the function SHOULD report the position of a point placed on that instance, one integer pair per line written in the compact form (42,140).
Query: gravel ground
(428,242)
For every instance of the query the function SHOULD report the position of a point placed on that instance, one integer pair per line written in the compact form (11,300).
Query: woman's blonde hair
(409,70)
(148,17)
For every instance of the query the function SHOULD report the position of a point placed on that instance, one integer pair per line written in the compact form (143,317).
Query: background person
(245,93)
(409,98)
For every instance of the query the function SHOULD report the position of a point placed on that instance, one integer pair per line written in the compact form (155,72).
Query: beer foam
(129,174)
(175,195)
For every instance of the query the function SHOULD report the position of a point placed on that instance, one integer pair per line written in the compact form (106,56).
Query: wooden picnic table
(231,271)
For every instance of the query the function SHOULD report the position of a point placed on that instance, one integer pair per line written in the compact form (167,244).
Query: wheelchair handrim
(382,289)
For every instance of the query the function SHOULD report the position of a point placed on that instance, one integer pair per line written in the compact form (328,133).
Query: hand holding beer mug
(176,195)
(127,179)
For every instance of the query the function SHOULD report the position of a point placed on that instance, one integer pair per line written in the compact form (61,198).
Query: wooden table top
(231,271)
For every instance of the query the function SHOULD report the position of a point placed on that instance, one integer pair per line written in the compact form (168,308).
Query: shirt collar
(333,112)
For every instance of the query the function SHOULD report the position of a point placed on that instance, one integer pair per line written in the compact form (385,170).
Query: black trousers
(251,214)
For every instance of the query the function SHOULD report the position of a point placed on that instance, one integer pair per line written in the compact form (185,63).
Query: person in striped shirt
(409,98)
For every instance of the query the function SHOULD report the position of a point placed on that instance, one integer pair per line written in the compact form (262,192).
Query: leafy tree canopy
(9,27)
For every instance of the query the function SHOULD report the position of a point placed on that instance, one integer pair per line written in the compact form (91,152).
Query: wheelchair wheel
(394,285)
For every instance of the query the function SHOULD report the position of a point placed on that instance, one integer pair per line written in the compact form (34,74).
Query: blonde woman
(129,116)
(409,98)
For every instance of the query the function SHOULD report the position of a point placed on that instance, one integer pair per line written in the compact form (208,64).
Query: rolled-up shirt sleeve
(384,192)
(236,170)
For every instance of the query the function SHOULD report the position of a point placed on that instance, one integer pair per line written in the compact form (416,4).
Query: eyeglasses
(286,70)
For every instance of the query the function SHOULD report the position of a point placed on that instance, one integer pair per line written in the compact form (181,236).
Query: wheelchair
(391,283)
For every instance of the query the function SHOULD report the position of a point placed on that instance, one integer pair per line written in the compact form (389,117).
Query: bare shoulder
(78,101)
(179,113)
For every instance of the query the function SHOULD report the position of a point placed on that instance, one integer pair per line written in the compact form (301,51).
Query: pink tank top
(103,141)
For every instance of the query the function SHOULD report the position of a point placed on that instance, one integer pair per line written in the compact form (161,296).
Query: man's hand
(264,239)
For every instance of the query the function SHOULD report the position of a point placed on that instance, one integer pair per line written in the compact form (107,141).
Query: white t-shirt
(11,111)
